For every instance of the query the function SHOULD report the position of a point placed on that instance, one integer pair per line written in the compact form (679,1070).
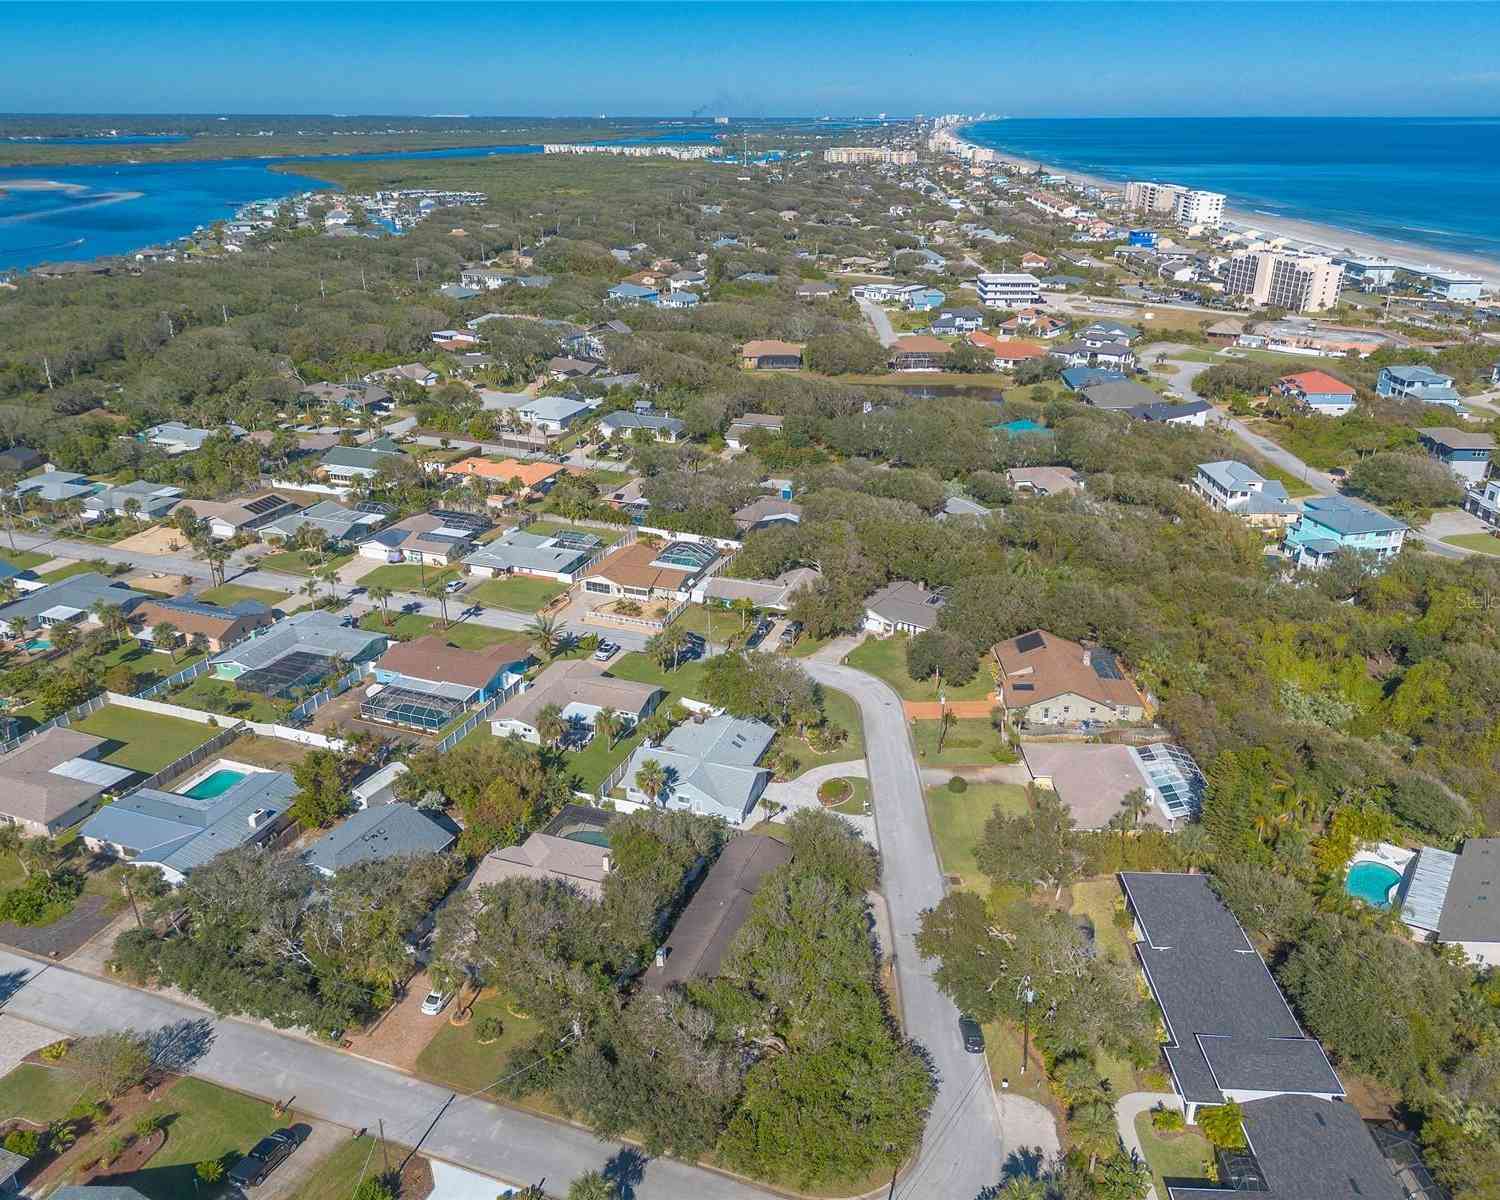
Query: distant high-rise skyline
(842,59)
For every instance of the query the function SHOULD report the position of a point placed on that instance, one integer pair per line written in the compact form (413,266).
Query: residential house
(922,299)
(434,666)
(741,428)
(680,281)
(533,478)
(418,373)
(765,512)
(347,464)
(755,277)
(958,320)
(560,556)
(580,689)
(816,291)
(767,354)
(553,414)
(1230,1034)
(1226,332)
(1008,354)
(54,780)
(362,397)
(681,300)
(579,857)
(1330,524)
(1119,396)
(1046,680)
(1044,481)
(11,1166)
(1232,487)
(1034,323)
(903,607)
(1075,379)
(710,766)
(960,506)
(775,594)
(701,938)
(338,523)
(1417,383)
(625,424)
(918,352)
(563,369)
(378,786)
(642,571)
(1449,898)
(230,518)
(180,831)
(1031,261)
(375,835)
(454,339)
(1319,392)
(218,625)
(432,537)
(57,487)
(295,651)
(1008,289)
(23,579)
(71,600)
(632,294)
(1466,454)
(176,438)
(1112,356)
(1106,332)
(1192,413)
(146,501)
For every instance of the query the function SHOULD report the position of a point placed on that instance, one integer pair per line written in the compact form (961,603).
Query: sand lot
(160,539)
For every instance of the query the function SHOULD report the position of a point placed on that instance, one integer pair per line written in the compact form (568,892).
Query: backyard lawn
(957,820)
(221,697)
(519,593)
(970,742)
(1485,543)
(205,1122)
(1175,1156)
(598,758)
(1098,900)
(232,593)
(466,636)
(150,741)
(886,658)
(407,577)
(301,562)
(552,528)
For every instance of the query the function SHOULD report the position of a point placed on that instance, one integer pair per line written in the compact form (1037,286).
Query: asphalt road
(502,1142)
(966,1148)
(879,320)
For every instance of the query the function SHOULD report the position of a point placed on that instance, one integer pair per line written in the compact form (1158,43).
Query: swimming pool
(214,785)
(36,644)
(594,837)
(1372,882)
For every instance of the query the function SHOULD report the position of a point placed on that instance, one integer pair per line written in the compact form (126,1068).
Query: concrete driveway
(879,321)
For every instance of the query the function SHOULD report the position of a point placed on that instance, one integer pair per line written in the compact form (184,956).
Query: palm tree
(63,636)
(1093,1130)
(946,722)
(650,778)
(42,854)
(656,727)
(1195,847)
(545,631)
(16,627)
(550,725)
(1133,807)
(1023,1187)
(666,647)
(310,589)
(165,635)
(591,1185)
(436,590)
(329,578)
(381,594)
(607,724)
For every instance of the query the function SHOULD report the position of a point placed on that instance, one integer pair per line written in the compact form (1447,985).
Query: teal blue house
(1330,524)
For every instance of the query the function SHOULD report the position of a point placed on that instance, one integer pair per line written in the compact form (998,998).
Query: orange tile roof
(920,343)
(529,473)
(1319,382)
(1006,349)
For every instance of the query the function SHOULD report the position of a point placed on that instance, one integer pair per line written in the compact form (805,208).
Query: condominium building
(1295,282)
(1012,290)
(870,154)
(1186,206)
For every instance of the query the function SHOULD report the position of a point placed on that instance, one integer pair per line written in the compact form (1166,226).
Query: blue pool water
(593,837)
(1371,882)
(37,644)
(214,785)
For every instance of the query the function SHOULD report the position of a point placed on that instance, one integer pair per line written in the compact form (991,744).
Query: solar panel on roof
(1104,665)
(264,505)
(1028,642)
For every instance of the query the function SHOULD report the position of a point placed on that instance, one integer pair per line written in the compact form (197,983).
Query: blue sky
(768,59)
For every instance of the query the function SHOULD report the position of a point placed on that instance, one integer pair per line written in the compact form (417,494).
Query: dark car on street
(264,1157)
(973,1036)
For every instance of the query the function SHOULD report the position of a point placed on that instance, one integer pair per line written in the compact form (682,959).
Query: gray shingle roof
(1346,516)
(711,765)
(1119,394)
(1228,1024)
(313,632)
(1471,909)
(372,834)
(80,591)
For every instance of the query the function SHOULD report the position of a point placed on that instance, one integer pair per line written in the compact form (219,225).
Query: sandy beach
(1306,234)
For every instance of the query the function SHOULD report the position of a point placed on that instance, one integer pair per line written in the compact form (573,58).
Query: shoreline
(1306,233)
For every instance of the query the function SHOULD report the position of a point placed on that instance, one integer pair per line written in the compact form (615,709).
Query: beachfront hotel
(1281,279)
(1186,206)
(870,154)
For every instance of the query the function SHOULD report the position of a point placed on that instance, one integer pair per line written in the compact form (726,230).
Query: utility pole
(47,367)
(385,1152)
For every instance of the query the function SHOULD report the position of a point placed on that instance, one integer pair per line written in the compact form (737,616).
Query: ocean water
(1425,180)
(117,208)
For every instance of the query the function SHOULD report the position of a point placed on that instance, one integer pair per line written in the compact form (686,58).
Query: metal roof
(1426,886)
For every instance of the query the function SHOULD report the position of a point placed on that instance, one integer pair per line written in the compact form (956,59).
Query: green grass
(841,710)
(686,680)
(301,562)
(596,760)
(338,1173)
(41,1094)
(858,804)
(1098,899)
(454,1056)
(971,742)
(11,875)
(24,559)
(1485,543)
(957,820)
(886,658)
(150,741)
(204,1122)
(519,593)
(220,696)
(233,593)
(1295,488)
(82,567)
(406,626)
(407,577)
(1177,1156)
(552,528)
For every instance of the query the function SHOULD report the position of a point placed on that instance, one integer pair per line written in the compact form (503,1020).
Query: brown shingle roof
(32,792)
(1054,666)
(769,348)
(578,680)
(631,567)
(434,659)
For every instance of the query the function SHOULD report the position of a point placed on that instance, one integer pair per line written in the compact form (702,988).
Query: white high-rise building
(1186,206)
(1009,289)
(1198,208)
